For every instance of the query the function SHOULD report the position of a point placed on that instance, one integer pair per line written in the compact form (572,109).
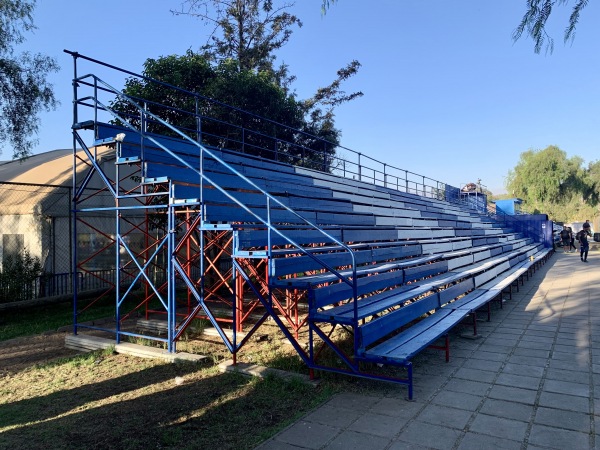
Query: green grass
(36,320)
(108,401)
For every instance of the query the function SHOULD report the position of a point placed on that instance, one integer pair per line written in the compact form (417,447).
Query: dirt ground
(20,353)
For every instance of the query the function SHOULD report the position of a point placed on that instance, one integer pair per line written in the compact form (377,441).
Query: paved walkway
(529,382)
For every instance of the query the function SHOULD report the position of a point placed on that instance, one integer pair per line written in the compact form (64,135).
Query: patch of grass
(115,401)
(30,321)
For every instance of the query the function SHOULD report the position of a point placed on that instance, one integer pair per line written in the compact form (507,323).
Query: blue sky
(447,93)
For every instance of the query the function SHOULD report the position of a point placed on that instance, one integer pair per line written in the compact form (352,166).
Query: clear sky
(447,94)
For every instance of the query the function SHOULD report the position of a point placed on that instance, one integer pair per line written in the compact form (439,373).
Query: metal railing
(201,117)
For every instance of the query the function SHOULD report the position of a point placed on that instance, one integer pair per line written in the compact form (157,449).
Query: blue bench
(422,265)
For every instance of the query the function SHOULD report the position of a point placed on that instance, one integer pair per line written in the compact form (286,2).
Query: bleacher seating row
(397,269)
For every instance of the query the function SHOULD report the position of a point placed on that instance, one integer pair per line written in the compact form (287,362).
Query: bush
(19,277)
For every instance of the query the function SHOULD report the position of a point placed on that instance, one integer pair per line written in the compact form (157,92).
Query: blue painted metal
(271,210)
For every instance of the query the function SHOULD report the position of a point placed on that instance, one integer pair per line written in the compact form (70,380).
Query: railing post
(359,168)
(384,176)
(198,123)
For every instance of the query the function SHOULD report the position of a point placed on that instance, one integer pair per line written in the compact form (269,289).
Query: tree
(537,14)
(253,114)
(24,89)
(534,21)
(551,183)
(249,31)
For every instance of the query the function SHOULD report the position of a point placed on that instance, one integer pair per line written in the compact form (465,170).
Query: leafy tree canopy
(24,89)
(236,121)
(251,32)
(237,67)
(551,183)
(536,16)
(248,31)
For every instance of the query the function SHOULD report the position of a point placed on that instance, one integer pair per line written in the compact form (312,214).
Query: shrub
(19,276)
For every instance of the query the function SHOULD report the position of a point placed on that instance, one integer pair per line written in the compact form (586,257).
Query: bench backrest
(388,323)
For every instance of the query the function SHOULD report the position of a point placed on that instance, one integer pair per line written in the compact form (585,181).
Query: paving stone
(504,349)
(510,343)
(355,402)
(576,357)
(568,375)
(378,425)
(583,347)
(566,387)
(509,410)
(426,386)
(401,445)
(445,416)
(558,438)
(457,400)
(307,434)
(542,328)
(524,370)
(513,394)
(534,338)
(475,375)
(506,336)
(566,402)
(273,444)
(467,386)
(476,441)
(488,356)
(570,420)
(521,381)
(533,352)
(537,345)
(333,416)
(507,330)
(568,365)
(351,440)
(396,407)
(548,333)
(528,360)
(429,435)
(483,364)
(499,427)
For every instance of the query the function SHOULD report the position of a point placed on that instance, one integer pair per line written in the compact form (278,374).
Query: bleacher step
(85,343)
(160,326)
(263,372)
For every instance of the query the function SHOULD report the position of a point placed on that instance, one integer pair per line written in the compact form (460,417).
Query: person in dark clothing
(572,243)
(584,245)
(565,237)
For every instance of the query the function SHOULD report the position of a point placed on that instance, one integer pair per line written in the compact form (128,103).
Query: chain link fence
(35,241)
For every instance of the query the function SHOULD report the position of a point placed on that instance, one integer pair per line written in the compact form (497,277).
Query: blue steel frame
(173,267)
(172,205)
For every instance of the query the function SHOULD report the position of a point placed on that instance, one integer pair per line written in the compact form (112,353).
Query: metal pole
(359,168)
(73,201)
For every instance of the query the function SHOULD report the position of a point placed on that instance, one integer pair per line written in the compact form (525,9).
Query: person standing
(565,237)
(572,243)
(584,245)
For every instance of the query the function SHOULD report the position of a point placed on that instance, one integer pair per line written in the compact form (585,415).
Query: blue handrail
(205,151)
